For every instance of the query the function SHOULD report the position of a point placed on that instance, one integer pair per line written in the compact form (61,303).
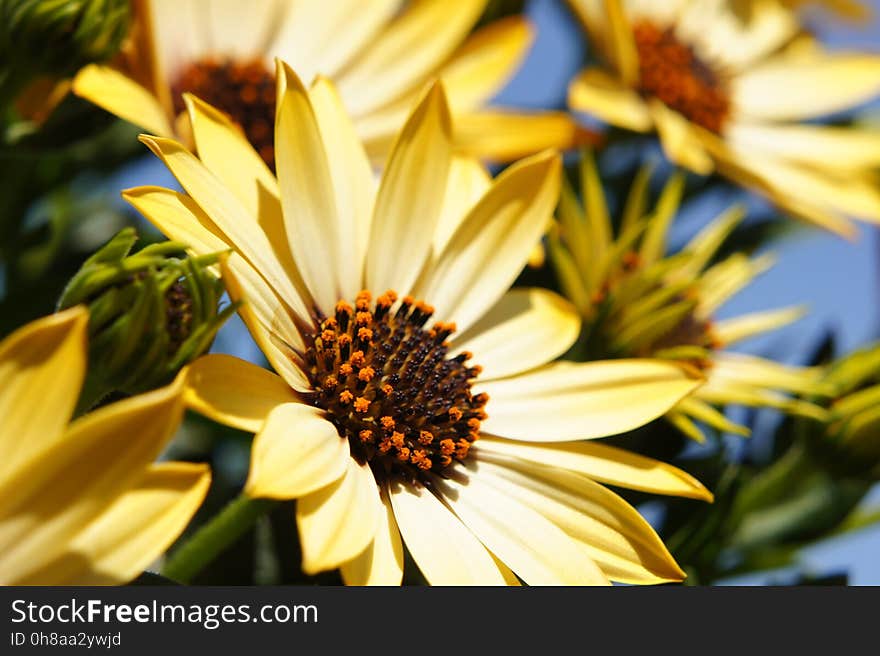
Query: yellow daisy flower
(730,96)
(379,58)
(82,503)
(373,418)
(639,301)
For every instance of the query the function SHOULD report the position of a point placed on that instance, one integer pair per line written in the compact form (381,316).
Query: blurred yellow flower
(374,420)
(638,301)
(730,97)
(82,503)
(379,55)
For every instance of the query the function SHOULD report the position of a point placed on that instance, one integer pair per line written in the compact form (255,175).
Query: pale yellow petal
(121,96)
(612,532)
(339,521)
(534,548)
(318,37)
(381,563)
(567,401)
(270,333)
(295,453)
(822,146)
(229,215)
(322,246)
(403,55)
(492,245)
(737,329)
(483,64)
(65,487)
(599,462)
(239,30)
(181,219)
(759,372)
(622,45)
(42,366)
(593,91)
(410,196)
(503,134)
(235,392)
(785,89)
(678,139)
(467,182)
(135,530)
(524,329)
(446,552)
(352,178)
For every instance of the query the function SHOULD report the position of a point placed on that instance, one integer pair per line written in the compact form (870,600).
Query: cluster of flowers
(417,399)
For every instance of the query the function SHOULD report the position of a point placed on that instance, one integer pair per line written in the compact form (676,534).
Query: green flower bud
(853,433)
(56,38)
(151,313)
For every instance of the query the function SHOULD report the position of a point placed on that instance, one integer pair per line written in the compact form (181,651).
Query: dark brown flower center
(671,72)
(244,90)
(389,386)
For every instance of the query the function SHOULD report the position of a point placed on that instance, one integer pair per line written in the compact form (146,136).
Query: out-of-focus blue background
(838,280)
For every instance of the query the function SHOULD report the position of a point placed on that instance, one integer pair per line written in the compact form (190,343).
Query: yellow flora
(639,301)
(735,98)
(82,502)
(373,418)
(378,54)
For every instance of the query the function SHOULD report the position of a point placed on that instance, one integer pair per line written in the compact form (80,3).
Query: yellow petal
(240,229)
(783,89)
(484,63)
(120,95)
(622,42)
(339,521)
(323,247)
(822,146)
(566,401)
(225,151)
(702,411)
(501,134)
(410,196)
(759,372)
(381,563)
(593,91)
(404,54)
(492,245)
(321,37)
(731,331)
(181,219)
(679,141)
(42,366)
(235,392)
(68,485)
(352,177)
(602,463)
(446,552)
(612,532)
(524,329)
(269,334)
(296,452)
(537,550)
(467,182)
(239,31)
(135,530)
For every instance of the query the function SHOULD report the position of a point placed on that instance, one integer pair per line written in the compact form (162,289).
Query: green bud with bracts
(151,313)
(853,431)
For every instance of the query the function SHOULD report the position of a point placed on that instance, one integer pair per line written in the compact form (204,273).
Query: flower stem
(214,536)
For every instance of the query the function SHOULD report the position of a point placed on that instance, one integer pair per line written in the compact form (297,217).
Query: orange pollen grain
(361,404)
(366,374)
